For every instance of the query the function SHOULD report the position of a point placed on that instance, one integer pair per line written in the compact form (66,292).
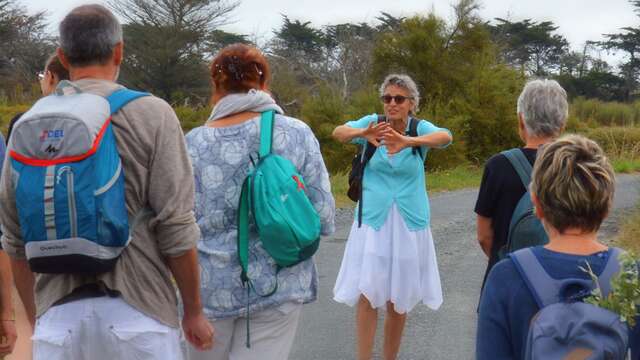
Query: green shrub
(191,117)
(7,112)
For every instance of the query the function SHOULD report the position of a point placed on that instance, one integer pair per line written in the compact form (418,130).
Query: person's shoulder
(288,122)
(504,273)
(194,134)
(150,103)
(496,161)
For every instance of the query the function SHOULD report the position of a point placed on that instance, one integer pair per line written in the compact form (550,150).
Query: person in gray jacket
(130,311)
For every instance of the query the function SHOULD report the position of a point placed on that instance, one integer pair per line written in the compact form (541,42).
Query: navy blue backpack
(69,183)
(565,327)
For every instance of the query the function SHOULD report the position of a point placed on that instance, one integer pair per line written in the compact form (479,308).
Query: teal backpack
(525,229)
(274,194)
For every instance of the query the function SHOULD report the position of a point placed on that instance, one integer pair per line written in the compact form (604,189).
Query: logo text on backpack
(52,134)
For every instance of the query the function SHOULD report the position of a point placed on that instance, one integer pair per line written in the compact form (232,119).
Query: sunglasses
(399,99)
(40,75)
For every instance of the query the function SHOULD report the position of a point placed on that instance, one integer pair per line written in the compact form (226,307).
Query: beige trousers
(272,332)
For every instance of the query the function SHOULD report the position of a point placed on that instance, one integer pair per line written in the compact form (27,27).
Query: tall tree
(530,45)
(167,43)
(627,41)
(24,45)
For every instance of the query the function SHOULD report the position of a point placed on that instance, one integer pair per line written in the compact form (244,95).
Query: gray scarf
(254,100)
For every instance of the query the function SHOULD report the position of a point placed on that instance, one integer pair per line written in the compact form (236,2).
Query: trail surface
(327,329)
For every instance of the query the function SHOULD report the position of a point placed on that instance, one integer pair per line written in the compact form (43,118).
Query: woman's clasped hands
(382,133)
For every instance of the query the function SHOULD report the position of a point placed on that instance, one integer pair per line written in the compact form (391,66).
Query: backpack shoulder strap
(520,164)
(122,97)
(544,288)
(266,131)
(413,132)
(243,228)
(610,270)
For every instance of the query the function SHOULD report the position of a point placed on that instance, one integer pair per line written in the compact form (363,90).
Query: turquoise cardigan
(398,179)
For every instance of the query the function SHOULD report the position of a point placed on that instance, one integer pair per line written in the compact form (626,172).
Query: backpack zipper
(71,198)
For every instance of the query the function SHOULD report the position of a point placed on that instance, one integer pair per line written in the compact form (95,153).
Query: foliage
(624,297)
(627,41)
(530,45)
(630,232)
(24,48)
(168,42)
(191,117)
(464,87)
(617,142)
(596,112)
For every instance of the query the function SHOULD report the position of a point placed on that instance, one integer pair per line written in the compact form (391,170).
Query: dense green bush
(464,87)
(191,117)
(7,112)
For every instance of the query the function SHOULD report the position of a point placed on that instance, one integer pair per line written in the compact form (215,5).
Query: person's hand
(8,336)
(198,331)
(375,131)
(394,141)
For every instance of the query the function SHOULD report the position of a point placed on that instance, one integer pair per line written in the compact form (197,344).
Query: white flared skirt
(391,264)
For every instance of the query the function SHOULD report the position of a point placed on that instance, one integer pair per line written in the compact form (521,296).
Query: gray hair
(544,108)
(405,82)
(88,35)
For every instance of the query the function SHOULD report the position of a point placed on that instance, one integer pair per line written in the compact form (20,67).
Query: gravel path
(327,329)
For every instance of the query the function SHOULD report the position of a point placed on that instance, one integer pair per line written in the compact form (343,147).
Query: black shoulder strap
(413,132)
(367,153)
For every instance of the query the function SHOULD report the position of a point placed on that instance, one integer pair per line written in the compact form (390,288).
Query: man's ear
(63,58)
(118,53)
(521,122)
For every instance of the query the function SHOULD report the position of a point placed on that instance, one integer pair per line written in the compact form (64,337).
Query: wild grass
(629,236)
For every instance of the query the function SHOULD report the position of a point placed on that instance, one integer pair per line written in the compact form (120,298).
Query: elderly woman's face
(397,102)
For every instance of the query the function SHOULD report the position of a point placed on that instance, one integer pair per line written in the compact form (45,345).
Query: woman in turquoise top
(390,260)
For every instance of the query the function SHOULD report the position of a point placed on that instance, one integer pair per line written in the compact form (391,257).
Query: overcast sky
(578,20)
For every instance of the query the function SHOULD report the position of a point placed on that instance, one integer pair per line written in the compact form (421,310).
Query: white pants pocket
(52,343)
(145,339)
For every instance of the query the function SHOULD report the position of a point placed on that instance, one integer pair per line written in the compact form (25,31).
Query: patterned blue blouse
(221,160)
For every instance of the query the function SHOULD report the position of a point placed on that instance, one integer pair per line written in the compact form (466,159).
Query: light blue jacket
(397,178)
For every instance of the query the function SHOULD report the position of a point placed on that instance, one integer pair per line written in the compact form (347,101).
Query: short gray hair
(88,35)
(543,105)
(405,82)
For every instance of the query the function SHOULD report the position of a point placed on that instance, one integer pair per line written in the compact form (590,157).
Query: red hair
(239,68)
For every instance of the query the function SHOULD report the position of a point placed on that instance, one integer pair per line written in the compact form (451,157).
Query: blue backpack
(525,229)
(69,183)
(566,328)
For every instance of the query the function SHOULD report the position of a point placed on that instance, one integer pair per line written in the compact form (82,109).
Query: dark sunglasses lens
(399,99)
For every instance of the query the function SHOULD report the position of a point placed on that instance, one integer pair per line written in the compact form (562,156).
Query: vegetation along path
(327,329)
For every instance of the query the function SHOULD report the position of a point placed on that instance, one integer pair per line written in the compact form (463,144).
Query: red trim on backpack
(41,162)
(300,184)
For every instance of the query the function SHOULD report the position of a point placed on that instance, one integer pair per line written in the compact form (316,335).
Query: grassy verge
(625,165)
(629,236)
(460,177)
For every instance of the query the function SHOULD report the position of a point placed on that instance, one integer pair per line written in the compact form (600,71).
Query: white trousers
(102,328)
(272,333)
